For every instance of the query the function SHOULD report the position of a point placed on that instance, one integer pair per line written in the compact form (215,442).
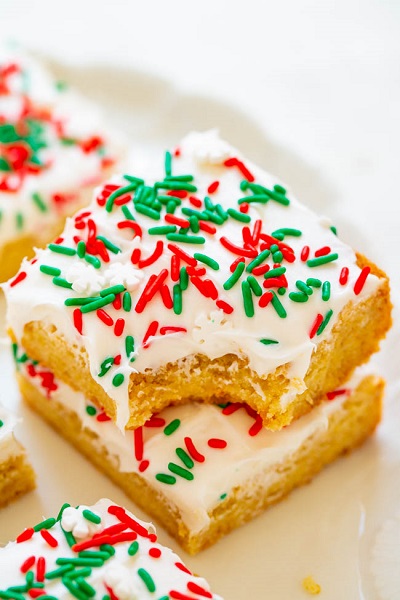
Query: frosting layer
(99,551)
(198,253)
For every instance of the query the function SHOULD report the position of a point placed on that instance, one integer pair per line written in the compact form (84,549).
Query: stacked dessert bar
(195,331)
(54,149)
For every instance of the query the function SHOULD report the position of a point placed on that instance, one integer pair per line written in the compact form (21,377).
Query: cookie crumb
(311,586)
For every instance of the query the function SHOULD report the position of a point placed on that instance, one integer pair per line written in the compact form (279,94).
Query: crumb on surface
(311,586)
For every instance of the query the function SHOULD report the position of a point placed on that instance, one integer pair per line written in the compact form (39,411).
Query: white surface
(322,78)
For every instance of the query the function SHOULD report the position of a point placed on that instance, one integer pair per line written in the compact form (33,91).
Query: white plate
(325,529)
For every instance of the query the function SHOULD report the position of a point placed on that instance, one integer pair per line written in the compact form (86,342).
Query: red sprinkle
(131,225)
(305,253)
(20,277)
(334,394)
(166,330)
(96,541)
(196,589)
(256,427)
(260,270)
(217,443)
(177,193)
(204,226)
(25,535)
(119,327)
(36,593)
(135,257)
(194,453)
(175,267)
(183,568)
(117,359)
(359,284)
(120,513)
(153,285)
(151,332)
(117,303)
(248,252)
(213,187)
(146,262)
(102,417)
(318,320)
(224,306)
(235,162)
(195,201)
(78,320)
(265,299)
(155,421)
(244,207)
(143,466)
(236,262)
(105,317)
(166,297)
(179,596)
(174,220)
(155,552)
(344,276)
(40,569)
(322,251)
(182,254)
(27,564)
(138,442)
(46,535)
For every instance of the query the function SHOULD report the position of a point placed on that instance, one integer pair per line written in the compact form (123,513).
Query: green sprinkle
(62,249)
(19,220)
(322,260)
(207,260)
(298,296)
(106,366)
(334,229)
(168,163)
(108,244)
(86,587)
(175,185)
(177,470)
(325,322)
(183,279)
(93,260)
(59,572)
(46,524)
(85,572)
(326,291)
(1,423)
(194,224)
(255,286)
(268,341)
(48,270)
(61,282)
(147,579)
(133,179)
(236,214)
(4,166)
(79,301)
(130,347)
(162,230)
(164,478)
(313,282)
(91,516)
(258,260)
(282,291)
(94,554)
(120,192)
(91,410)
(133,548)
(277,272)
(223,496)
(287,231)
(81,249)
(261,198)
(278,306)
(277,256)
(185,458)
(229,283)
(177,299)
(148,212)
(60,513)
(118,380)
(179,178)
(127,302)
(303,287)
(38,200)
(73,589)
(70,539)
(185,239)
(127,213)
(98,303)
(247,299)
(12,595)
(114,289)
(80,562)
(108,548)
(172,427)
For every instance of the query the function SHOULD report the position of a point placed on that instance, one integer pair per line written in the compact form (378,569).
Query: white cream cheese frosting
(195,454)
(99,551)
(54,148)
(209,254)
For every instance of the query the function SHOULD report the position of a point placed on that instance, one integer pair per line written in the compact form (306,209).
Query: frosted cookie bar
(54,148)
(199,277)
(202,470)
(16,474)
(99,551)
